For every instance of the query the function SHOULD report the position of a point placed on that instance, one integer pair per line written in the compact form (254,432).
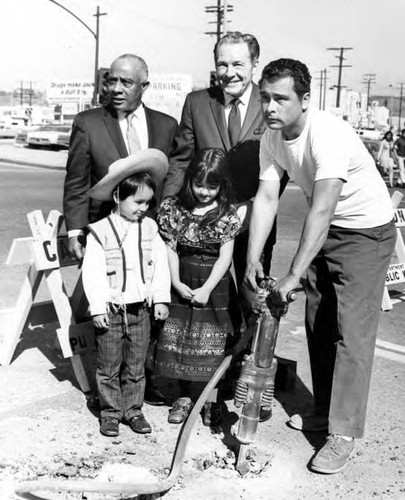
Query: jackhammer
(255,387)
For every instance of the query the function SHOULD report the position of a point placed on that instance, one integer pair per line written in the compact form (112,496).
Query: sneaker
(109,426)
(180,410)
(310,422)
(212,414)
(333,456)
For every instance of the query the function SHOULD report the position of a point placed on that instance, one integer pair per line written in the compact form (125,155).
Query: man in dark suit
(103,135)
(228,117)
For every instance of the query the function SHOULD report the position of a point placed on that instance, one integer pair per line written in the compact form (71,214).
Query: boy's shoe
(139,424)
(333,456)
(180,410)
(310,422)
(212,414)
(109,426)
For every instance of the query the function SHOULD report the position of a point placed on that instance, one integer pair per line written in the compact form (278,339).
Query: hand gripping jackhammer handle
(255,387)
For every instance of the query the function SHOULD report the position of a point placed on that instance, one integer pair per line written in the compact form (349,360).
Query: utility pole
(221,14)
(320,78)
(21,93)
(401,87)
(369,78)
(30,93)
(340,66)
(325,78)
(96,35)
(97,15)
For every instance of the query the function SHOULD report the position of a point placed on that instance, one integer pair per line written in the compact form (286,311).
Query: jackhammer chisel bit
(255,387)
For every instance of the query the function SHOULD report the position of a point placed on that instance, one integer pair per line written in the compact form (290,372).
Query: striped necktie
(134,144)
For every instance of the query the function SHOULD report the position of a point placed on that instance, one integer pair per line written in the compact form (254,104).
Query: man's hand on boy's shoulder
(161,312)
(101,322)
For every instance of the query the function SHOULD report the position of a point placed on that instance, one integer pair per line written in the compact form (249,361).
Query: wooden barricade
(46,253)
(396,272)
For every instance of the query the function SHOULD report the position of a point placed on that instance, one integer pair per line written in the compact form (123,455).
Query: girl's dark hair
(389,132)
(210,166)
(131,185)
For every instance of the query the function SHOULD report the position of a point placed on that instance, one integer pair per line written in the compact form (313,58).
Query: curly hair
(283,68)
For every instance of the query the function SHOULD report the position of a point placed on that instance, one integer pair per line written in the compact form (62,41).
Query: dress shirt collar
(138,113)
(244,98)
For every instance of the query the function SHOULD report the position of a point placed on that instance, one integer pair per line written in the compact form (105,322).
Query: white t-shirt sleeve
(269,169)
(331,149)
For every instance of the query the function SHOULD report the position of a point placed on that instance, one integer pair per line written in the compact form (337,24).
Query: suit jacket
(96,142)
(203,125)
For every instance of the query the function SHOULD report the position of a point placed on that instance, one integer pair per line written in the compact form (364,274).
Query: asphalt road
(24,189)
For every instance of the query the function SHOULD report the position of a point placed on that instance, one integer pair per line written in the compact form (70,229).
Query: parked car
(9,126)
(50,136)
(64,139)
(22,134)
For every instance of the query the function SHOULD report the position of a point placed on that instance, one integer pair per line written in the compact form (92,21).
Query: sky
(41,42)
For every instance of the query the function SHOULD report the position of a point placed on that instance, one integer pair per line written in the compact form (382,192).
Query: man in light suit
(103,135)
(100,137)
(208,122)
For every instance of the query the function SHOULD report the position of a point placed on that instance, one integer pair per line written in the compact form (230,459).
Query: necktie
(134,144)
(234,122)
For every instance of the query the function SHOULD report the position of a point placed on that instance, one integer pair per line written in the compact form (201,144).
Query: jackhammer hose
(24,489)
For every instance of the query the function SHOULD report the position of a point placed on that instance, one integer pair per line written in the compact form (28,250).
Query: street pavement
(22,155)
(375,471)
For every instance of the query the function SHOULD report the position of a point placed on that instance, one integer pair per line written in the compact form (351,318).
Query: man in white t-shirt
(345,248)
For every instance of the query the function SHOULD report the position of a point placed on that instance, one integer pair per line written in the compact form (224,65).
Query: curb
(29,164)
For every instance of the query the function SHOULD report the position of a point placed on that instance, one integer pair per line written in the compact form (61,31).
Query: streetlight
(96,35)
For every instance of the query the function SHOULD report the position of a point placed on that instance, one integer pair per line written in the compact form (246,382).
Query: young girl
(125,271)
(199,228)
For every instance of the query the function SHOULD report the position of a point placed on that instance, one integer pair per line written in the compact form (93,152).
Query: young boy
(125,273)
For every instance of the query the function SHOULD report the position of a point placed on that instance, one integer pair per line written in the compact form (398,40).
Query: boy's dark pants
(121,354)
(344,291)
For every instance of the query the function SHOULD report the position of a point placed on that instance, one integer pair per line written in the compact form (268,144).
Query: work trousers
(121,354)
(344,292)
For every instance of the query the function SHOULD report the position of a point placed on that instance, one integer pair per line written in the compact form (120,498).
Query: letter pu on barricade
(42,252)
(396,271)
(76,339)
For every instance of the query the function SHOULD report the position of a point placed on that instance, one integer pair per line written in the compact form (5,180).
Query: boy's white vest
(106,234)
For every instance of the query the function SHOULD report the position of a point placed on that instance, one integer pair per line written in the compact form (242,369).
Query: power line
(340,66)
